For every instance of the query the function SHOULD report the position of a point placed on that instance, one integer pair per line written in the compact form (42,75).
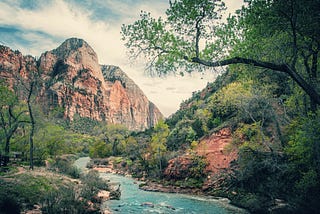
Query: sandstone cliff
(73,79)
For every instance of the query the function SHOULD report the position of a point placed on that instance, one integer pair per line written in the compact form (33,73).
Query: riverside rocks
(157,187)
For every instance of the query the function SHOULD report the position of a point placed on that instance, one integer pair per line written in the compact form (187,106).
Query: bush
(63,200)
(8,203)
(92,184)
(66,166)
(252,202)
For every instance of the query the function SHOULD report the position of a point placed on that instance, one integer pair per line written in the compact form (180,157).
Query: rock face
(212,148)
(74,80)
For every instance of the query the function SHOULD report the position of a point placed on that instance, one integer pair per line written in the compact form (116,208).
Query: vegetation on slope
(268,98)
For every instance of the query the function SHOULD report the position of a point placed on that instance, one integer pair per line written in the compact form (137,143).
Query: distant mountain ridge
(74,80)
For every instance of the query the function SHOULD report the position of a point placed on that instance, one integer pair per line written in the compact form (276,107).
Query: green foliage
(65,166)
(13,115)
(112,140)
(130,146)
(249,136)
(83,125)
(292,176)
(250,201)
(24,191)
(197,169)
(53,192)
(157,147)
(8,204)
(115,135)
(93,183)
(181,136)
(303,149)
(7,96)
(100,149)
(255,103)
(64,200)
(54,140)
(261,174)
(167,41)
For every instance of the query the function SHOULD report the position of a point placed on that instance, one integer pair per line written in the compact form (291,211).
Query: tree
(304,151)
(158,143)
(11,117)
(130,147)
(28,81)
(175,43)
(115,134)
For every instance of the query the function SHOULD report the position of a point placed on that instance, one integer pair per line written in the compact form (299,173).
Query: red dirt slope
(213,148)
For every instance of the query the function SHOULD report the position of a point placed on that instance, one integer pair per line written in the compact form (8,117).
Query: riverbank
(231,198)
(109,166)
(59,187)
(41,191)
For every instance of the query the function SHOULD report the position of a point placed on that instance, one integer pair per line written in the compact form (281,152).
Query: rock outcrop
(212,148)
(73,79)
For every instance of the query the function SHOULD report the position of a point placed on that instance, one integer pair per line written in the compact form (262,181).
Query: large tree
(278,35)
(27,83)
(12,116)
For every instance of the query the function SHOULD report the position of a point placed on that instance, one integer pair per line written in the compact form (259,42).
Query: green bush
(9,203)
(252,202)
(92,184)
(63,200)
(65,166)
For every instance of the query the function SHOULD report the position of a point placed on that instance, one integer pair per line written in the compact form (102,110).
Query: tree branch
(285,68)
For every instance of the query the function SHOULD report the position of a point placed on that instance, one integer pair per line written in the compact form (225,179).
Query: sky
(36,26)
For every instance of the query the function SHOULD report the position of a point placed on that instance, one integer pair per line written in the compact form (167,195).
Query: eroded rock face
(14,65)
(73,79)
(128,101)
(212,148)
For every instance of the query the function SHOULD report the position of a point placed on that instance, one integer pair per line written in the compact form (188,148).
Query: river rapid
(136,201)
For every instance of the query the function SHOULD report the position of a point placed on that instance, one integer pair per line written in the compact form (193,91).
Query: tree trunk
(6,152)
(32,125)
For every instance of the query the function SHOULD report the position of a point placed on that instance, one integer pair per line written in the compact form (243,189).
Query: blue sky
(35,26)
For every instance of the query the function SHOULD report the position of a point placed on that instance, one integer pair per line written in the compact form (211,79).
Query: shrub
(8,202)
(92,184)
(65,166)
(64,200)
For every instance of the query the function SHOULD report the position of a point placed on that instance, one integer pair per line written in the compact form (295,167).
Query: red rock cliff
(74,80)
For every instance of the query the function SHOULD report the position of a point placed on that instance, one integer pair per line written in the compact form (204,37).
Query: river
(136,201)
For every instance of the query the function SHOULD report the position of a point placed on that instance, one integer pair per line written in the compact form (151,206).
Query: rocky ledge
(157,187)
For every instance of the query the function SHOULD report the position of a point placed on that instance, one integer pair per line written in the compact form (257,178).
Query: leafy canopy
(274,35)
(166,42)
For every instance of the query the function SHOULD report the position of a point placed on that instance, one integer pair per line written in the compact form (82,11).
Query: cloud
(62,19)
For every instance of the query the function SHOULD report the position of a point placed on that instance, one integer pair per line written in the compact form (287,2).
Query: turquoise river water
(136,201)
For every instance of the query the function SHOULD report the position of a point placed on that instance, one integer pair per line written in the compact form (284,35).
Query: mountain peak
(74,81)
(72,45)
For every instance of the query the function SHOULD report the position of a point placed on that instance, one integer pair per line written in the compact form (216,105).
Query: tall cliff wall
(73,79)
